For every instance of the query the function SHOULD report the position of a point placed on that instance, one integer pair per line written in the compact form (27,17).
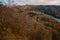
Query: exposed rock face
(20,23)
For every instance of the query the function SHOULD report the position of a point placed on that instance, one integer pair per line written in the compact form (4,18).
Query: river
(57,19)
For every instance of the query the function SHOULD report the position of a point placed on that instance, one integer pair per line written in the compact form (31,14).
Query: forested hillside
(24,23)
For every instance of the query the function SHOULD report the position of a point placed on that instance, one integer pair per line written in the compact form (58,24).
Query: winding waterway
(57,19)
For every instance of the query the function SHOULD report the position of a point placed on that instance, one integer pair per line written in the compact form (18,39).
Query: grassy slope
(21,23)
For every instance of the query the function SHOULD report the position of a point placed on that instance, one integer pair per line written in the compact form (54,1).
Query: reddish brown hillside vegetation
(20,23)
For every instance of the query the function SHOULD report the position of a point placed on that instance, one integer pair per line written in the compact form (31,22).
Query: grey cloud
(32,2)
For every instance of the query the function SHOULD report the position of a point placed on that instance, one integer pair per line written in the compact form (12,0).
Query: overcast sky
(33,2)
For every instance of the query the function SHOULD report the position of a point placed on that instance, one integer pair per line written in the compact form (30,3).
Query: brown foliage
(16,23)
